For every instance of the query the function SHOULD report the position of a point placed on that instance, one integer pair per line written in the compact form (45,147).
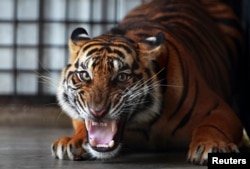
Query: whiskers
(60,114)
(49,81)
(46,80)
(137,92)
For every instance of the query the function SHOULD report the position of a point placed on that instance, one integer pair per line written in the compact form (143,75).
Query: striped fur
(164,76)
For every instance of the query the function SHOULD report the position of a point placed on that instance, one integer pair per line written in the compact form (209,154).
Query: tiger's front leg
(220,132)
(71,147)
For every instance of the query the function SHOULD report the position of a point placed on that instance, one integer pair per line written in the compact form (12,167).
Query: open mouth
(104,136)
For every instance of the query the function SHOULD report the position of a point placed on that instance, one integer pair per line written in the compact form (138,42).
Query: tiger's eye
(84,76)
(122,77)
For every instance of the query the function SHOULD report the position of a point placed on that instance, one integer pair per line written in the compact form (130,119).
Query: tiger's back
(202,40)
(208,30)
(162,78)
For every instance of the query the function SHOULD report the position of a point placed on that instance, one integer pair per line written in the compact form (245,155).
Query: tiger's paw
(69,148)
(198,151)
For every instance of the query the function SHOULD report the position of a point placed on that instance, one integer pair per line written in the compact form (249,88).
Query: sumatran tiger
(162,78)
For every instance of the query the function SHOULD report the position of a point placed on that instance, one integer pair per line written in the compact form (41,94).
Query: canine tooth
(113,126)
(87,124)
(111,143)
(92,142)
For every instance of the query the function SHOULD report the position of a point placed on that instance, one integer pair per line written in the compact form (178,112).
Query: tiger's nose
(98,113)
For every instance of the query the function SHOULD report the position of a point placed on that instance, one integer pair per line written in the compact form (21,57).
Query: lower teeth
(94,144)
(102,146)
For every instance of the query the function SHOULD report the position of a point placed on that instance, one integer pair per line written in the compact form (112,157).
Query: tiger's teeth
(103,124)
(111,143)
(87,124)
(113,126)
(99,124)
(92,142)
(94,123)
(102,146)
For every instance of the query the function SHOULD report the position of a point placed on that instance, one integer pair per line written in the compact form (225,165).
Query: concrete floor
(29,148)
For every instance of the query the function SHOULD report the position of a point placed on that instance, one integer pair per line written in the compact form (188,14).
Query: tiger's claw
(198,154)
(69,148)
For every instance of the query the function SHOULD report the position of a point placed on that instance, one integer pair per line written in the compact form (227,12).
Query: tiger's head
(111,82)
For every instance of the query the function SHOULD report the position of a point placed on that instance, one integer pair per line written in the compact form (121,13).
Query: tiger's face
(109,84)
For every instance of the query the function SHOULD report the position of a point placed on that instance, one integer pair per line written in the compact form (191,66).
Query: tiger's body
(162,78)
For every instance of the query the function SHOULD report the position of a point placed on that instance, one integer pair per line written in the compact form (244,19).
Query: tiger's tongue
(101,134)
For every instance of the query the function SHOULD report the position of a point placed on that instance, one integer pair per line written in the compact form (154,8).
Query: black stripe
(92,51)
(66,99)
(70,73)
(73,81)
(119,53)
(149,26)
(218,129)
(77,64)
(119,45)
(106,47)
(135,66)
(124,46)
(122,65)
(85,48)
(187,116)
(229,22)
(81,99)
(216,105)
(148,72)
(67,67)
(185,80)
(85,64)
(138,76)
(96,62)
(143,35)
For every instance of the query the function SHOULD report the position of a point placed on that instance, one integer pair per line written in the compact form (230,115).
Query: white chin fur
(102,155)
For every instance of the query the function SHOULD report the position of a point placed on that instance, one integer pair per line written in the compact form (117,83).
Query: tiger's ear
(152,47)
(77,39)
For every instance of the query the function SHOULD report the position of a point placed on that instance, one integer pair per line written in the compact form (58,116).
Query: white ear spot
(151,39)
(83,35)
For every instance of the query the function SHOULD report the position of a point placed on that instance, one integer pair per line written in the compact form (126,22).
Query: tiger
(161,79)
